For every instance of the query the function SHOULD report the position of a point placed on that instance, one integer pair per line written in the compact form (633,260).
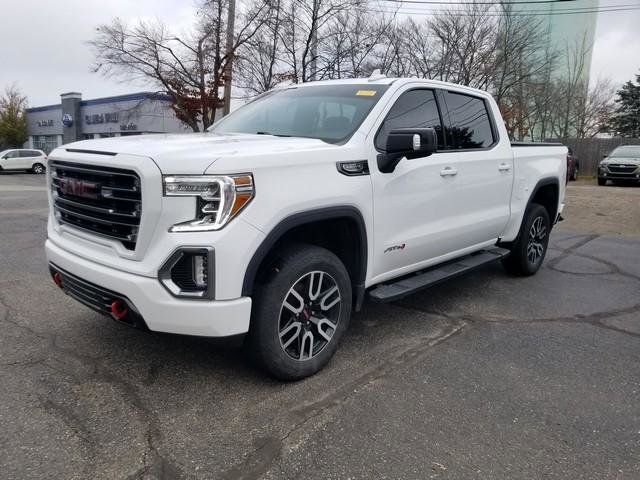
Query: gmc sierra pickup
(277,222)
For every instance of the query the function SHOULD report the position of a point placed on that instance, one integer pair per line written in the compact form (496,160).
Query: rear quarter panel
(533,164)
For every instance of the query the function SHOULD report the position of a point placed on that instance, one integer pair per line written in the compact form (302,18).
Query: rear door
(485,169)
(27,158)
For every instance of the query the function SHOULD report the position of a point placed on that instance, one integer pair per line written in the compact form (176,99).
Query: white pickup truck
(280,220)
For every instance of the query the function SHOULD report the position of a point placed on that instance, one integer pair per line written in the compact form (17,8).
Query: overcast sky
(43,49)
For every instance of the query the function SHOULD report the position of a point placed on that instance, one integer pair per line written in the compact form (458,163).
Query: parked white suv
(286,214)
(23,159)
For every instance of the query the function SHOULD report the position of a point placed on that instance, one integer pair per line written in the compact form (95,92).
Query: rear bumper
(158,309)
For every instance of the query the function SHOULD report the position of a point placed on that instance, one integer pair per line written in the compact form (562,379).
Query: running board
(408,284)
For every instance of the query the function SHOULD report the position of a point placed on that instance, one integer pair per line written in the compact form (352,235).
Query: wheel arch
(546,193)
(352,246)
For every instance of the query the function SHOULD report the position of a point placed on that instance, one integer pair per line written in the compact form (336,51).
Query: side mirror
(407,143)
(605,155)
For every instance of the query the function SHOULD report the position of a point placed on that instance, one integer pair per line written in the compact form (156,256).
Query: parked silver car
(23,159)
(621,165)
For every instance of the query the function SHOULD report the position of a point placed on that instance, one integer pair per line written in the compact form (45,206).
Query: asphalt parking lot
(487,377)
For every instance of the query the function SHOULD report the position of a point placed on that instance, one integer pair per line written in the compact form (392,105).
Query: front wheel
(529,250)
(38,169)
(602,181)
(301,311)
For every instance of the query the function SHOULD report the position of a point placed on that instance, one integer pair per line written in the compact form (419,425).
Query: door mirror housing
(407,143)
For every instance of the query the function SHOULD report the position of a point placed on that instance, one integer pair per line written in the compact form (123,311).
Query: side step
(408,284)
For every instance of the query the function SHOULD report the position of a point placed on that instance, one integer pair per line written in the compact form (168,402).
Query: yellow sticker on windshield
(366,93)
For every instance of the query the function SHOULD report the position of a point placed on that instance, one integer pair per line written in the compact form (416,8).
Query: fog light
(199,271)
(189,272)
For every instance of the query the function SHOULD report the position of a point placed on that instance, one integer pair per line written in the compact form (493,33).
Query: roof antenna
(376,75)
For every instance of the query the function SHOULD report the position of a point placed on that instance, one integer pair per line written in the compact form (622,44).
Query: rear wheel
(38,168)
(300,313)
(602,181)
(529,250)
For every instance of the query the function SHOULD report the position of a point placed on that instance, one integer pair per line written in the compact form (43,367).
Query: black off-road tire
(290,268)
(520,261)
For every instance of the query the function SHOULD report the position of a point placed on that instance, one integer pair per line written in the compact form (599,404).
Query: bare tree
(593,109)
(189,68)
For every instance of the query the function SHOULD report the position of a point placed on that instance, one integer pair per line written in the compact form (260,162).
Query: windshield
(328,112)
(628,151)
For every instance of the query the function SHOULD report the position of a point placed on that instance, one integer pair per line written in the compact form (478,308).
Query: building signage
(67,120)
(128,127)
(101,118)
(45,123)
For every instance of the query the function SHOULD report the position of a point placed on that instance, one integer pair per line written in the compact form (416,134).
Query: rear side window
(469,124)
(414,109)
(29,153)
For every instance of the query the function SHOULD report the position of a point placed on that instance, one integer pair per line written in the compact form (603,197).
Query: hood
(621,161)
(193,153)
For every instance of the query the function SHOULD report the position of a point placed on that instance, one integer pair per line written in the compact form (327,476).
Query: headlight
(219,198)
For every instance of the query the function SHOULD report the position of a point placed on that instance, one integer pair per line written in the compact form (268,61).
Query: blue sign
(67,120)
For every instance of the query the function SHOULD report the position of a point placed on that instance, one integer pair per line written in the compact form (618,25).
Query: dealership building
(75,119)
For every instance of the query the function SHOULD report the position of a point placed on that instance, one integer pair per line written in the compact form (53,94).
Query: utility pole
(314,42)
(231,18)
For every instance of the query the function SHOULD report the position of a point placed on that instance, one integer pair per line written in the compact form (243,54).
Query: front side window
(13,154)
(327,112)
(469,124)
(414,109)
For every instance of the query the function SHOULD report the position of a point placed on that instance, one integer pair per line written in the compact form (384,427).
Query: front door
(413,204)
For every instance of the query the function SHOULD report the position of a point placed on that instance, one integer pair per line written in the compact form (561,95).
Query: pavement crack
(262,458)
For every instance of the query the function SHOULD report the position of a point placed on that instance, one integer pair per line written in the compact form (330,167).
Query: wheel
(602,181)
(38,168)
(574,174)
(528,251)
(301,311)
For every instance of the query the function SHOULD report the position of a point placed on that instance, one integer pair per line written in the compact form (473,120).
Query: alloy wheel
(536,243)
(39,169)
(309,315)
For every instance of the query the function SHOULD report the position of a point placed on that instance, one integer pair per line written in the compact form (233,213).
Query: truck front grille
(103,200)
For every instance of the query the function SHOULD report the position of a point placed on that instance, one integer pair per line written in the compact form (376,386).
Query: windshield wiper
(272,134)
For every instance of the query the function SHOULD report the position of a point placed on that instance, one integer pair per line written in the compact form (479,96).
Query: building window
(45,143)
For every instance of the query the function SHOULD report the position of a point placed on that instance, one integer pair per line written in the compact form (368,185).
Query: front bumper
(160,311)
(630,174)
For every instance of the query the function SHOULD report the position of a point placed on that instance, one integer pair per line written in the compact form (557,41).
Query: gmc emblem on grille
(79,188)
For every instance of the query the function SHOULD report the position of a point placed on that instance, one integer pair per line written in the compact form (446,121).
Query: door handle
(448,172)
(504,167)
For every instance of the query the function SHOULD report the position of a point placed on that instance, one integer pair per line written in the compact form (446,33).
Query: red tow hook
(119,309)
(57,279)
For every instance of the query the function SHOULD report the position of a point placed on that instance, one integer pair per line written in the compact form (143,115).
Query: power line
(494,4)
(508,2)
(537,13)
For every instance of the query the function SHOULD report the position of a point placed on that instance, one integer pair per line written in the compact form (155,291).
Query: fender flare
(302,218)
(543,182)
